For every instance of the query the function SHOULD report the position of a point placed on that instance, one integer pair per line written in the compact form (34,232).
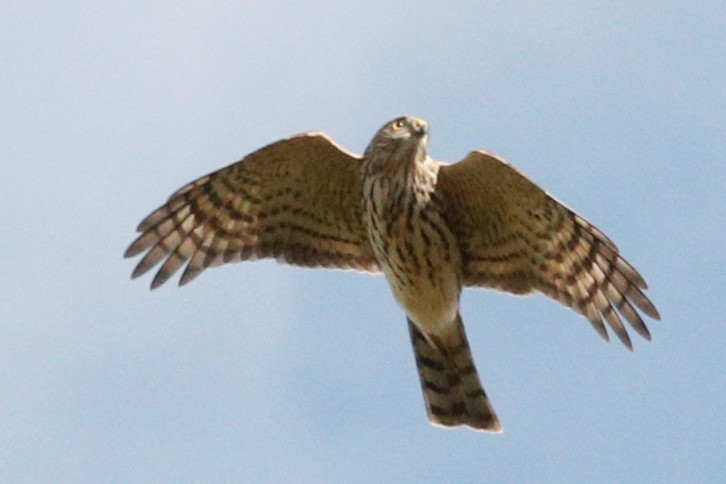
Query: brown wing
(517,238)
(298,200)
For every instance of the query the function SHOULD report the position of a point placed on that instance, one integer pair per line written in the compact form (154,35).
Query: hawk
(430,228)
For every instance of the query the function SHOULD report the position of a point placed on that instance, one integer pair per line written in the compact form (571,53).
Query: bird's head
(400,141)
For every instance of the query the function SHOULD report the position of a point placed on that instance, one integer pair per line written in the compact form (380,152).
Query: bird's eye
(398,124)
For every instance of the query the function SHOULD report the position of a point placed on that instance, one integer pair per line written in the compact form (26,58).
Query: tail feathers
(450,383)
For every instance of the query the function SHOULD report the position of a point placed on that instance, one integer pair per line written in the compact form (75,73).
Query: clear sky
(259,372)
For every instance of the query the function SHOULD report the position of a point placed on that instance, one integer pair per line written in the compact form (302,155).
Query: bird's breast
(418,254)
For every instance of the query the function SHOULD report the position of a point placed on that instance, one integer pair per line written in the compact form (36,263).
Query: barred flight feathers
(515,237)
(298,200)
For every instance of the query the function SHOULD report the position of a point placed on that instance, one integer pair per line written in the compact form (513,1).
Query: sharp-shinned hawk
(430,228)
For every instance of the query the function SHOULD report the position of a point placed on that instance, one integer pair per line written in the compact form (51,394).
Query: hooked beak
(420,128)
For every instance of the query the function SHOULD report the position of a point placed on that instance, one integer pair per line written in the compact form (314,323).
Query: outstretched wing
(298,200)
(517,238)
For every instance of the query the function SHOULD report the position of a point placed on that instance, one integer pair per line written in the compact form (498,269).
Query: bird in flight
(430,228)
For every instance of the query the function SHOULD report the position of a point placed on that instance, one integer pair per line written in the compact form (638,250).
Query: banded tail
(450,383)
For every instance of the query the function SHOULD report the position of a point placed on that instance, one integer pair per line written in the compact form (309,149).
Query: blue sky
(266,373)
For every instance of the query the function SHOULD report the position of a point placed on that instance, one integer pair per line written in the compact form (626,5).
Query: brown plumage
(453,393)
(430,228)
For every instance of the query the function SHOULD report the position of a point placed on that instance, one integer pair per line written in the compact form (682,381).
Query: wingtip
(625,339)
(159,279)
(138,271)
(189,274)
(131,251)
(655,315)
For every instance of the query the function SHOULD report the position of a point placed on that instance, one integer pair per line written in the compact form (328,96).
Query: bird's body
(419,255)
(431,229)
